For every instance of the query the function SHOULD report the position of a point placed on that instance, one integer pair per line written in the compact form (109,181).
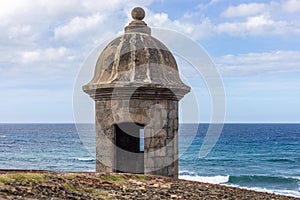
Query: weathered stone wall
(160,120)
(136,80)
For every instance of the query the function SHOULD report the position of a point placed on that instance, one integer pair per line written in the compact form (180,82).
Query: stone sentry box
(136,88)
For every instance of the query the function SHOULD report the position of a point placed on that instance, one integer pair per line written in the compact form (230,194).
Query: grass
(71,183)
(72,175)
(37,178)
(91,191)
(114,178)
(139,177)
(121,178)
(21,178)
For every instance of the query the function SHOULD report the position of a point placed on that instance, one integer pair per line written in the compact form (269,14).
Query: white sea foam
(188,173)
(206,179)
(85,159)
(282,192)
(224,181)
(274,191)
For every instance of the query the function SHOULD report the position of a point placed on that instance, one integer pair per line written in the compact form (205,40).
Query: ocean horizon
(258,156)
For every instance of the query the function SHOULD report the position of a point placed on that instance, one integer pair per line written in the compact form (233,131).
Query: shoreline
(36,184)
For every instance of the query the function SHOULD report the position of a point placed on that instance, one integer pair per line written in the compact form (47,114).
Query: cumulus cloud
(259,25)
(48,32)
(243,10)
(246,19)
(291,5)
(51,62)
(19,30)
(43,36)
(259,63)
(48,54)
(201,29)
(78,26)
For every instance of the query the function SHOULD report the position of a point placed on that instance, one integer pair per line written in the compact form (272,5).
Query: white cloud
(273,7)
(32,64)
(291,5)
(30,56)
(213,2)
(258,25)
(203,28)
(246,19)
(159,19)
(49,36)
(203,6)
(34,9)
(48,54)
(259,63)
(59,17)
(79,25)
(244,10)
(19,30)
(271,18)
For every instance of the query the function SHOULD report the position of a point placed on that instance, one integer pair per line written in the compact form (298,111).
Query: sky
(255,46)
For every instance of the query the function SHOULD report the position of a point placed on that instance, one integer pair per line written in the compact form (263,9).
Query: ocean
(262,157)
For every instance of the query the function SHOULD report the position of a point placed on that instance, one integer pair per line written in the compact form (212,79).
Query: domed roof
(136,59)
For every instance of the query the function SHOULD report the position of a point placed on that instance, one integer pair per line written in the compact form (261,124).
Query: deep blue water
(264,157)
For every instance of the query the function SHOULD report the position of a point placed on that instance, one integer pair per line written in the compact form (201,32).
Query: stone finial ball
(138,13)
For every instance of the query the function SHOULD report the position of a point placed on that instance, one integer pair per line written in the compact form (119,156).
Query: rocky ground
(30,185)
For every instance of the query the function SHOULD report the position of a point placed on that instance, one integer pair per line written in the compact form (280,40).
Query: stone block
(149,162)
(170,142)
(175,121)
(170,114)
(134,103)
(147,144)
(161,134)
(175,125)
(171,105)
(161,162)
(106,161)
(170,150)
(170,133)
(161,152)
(170,122)
(158,143)
(146,104)
(171,170)
(107,104)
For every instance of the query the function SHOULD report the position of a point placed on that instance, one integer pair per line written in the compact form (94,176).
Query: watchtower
(136,88)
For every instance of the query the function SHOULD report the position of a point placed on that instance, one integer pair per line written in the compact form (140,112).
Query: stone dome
(136,59)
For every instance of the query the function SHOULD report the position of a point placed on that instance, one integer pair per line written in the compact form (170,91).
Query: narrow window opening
(142,136)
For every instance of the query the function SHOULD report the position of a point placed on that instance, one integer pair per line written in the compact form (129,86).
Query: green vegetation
(72,182)
(114,178)
(139,177)
(73,175)
(21,178)
(91,191)
(121,178)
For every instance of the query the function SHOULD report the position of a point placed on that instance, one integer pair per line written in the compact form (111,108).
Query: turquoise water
(264,157)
